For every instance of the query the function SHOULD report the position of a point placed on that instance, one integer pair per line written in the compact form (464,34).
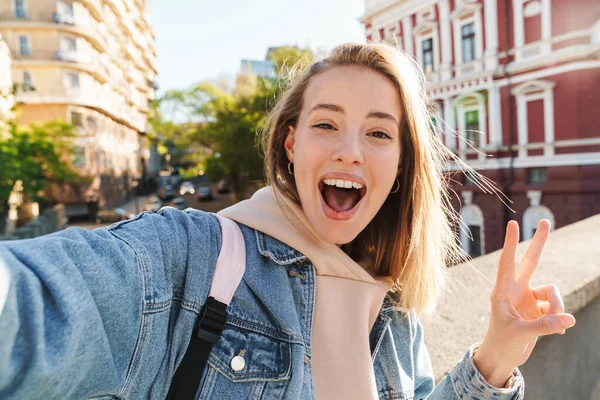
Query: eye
(324,126)
(379,135)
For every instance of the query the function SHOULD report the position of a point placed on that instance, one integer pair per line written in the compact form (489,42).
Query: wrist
(494,372)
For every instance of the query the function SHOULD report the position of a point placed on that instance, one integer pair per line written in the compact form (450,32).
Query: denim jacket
(108,313)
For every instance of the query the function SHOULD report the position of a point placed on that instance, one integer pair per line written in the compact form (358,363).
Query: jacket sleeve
(71,303)
(463,382)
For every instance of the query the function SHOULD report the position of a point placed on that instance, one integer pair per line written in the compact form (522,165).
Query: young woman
(343,252)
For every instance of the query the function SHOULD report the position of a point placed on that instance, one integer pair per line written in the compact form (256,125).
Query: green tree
(35,155)
(231,127)
(289,58)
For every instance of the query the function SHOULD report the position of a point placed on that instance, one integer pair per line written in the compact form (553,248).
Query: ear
(399,171)
(290,140)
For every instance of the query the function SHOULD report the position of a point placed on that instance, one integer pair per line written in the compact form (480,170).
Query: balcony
(560,367)
(532,51)
(470,68)
(92,95)
(86,27)
(72,56)
(119,7)
(95,7)
(62,18)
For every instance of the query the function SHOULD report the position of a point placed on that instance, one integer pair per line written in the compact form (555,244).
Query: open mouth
(341,197)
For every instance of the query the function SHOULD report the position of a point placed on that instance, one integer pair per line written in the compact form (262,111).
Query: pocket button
(238,363)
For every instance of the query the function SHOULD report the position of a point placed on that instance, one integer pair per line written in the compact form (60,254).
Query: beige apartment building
(91,63)
(6,98)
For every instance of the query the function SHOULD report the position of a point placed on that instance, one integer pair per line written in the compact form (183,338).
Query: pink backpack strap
(231,263)
(229,271)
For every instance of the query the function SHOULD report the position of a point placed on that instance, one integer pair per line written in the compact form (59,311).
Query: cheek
(383,165)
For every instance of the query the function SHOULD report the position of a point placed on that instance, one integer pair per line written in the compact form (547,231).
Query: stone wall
(49,221)
(561,367)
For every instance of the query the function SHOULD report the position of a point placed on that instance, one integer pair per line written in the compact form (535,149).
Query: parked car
(222,186)
(169,193)
(179,203)
(116,215)
(187,187)
(154,204)
(205,194)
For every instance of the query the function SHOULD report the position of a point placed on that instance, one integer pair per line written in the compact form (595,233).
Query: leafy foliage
(211,129)
(288,58)
(34,155)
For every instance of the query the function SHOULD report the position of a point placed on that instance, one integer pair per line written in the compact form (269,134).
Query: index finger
(507,264)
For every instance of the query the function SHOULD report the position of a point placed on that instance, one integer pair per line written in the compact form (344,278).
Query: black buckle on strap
(212,320)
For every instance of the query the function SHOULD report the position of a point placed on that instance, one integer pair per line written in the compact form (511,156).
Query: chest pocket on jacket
(245,364)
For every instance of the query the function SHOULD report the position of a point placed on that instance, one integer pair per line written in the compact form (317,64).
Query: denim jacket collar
(279,252)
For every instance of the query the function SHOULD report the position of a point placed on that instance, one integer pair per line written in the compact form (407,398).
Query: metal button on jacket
(238,363)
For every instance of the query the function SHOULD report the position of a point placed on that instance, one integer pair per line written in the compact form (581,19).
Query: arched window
(471,121)
(534,214)
(472,227)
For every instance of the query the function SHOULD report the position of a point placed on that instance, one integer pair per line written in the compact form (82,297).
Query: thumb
(549,324)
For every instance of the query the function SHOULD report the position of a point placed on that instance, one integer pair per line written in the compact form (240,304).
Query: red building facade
(519,81)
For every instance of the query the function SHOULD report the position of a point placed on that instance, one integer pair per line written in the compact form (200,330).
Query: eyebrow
(339,109)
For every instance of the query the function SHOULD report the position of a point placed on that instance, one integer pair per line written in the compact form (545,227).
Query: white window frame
(536,49)
(64,38)
(462,106)
(471,214)
(428,30)
(31,79)
(68,6)
(531,91)
(474,10)
(534,213)
(28,36)
(67,82)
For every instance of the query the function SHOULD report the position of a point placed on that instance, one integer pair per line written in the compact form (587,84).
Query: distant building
(524,73)
(6,98)
(93,64)
(264,69)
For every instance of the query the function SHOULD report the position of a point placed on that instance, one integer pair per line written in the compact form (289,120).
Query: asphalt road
(220,202)
(191,201)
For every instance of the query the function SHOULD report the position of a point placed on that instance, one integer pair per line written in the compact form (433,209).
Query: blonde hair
(412,236)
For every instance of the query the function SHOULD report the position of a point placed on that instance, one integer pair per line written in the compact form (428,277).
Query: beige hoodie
(347,299)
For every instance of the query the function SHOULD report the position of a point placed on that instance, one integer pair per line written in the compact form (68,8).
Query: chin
(337,232)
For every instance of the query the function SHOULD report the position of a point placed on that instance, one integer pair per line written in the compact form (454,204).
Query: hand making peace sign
(519,313)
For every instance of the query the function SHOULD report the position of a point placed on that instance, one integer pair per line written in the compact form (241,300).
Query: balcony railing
(89,95)
(63,18)
(533,50)
(469,68)
(70,55)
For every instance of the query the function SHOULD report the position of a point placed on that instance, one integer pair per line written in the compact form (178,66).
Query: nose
(349,150)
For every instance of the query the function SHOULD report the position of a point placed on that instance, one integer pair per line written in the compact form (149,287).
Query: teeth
(342,183)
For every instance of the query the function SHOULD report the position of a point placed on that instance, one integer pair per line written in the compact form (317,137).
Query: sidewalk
(130,205)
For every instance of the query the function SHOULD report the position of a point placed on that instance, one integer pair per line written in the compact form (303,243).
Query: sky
(206,39)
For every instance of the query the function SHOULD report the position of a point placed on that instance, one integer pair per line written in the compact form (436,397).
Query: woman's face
(345,149)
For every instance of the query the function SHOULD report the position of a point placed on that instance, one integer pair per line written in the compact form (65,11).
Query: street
(219,202)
